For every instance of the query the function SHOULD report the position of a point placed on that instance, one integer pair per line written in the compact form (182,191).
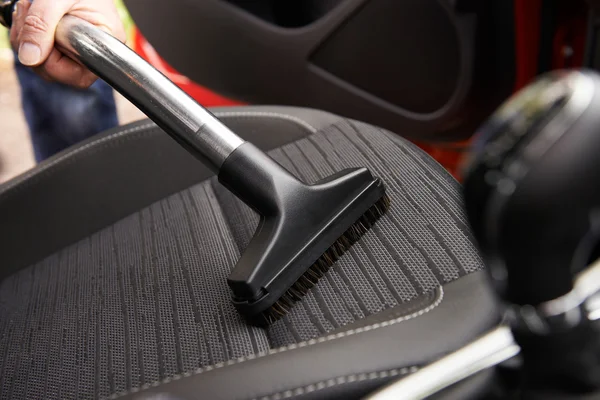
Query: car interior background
(115,253)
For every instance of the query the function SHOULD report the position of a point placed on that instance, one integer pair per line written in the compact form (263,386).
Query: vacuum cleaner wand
(154,94)
(303,229)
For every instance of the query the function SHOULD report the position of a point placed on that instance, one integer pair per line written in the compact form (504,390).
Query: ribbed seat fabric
(147,298)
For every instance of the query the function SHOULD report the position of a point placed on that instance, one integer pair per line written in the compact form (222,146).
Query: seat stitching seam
(282,349)
(340,380)
(288,117)
(39,172)
(306,343)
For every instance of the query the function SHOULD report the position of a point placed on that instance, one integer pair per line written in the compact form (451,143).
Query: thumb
(36,37)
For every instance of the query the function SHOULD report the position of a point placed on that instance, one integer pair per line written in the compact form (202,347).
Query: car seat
(115,255)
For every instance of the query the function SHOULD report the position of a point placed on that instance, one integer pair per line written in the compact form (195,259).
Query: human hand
(34,26)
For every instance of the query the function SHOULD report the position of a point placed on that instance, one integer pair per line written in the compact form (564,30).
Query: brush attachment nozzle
(303,228)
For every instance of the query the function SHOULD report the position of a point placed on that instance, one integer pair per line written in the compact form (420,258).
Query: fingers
(19,15)
(36,28)
(103,14)
(61,68)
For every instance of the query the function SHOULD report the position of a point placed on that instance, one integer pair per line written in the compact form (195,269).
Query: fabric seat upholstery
(143,299)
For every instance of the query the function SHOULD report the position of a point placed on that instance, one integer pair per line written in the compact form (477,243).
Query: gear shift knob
(532,193)
(533,187)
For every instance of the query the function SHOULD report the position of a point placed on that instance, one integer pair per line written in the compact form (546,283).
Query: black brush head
(303,229)
(320,267)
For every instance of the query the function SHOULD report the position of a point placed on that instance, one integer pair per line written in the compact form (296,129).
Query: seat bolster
(109,176)
(352,362)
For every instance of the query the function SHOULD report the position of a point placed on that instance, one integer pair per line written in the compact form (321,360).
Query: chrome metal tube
(487,351)
(154,94)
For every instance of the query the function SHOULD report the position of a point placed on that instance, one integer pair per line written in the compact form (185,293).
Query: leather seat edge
(467,310)
(54,205)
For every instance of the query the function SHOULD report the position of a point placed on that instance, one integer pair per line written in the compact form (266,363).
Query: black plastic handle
(6,11)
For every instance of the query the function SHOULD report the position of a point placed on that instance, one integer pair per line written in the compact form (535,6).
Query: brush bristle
(327,259)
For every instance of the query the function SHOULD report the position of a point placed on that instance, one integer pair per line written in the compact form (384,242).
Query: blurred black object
(532,198)
(529,193)
(6,10)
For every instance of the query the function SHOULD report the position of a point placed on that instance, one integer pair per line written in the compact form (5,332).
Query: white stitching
(314,387)
(282,349)
(19,180)
(288,117)
(312,342)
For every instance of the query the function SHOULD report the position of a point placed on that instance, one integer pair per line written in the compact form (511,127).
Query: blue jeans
(59,116)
